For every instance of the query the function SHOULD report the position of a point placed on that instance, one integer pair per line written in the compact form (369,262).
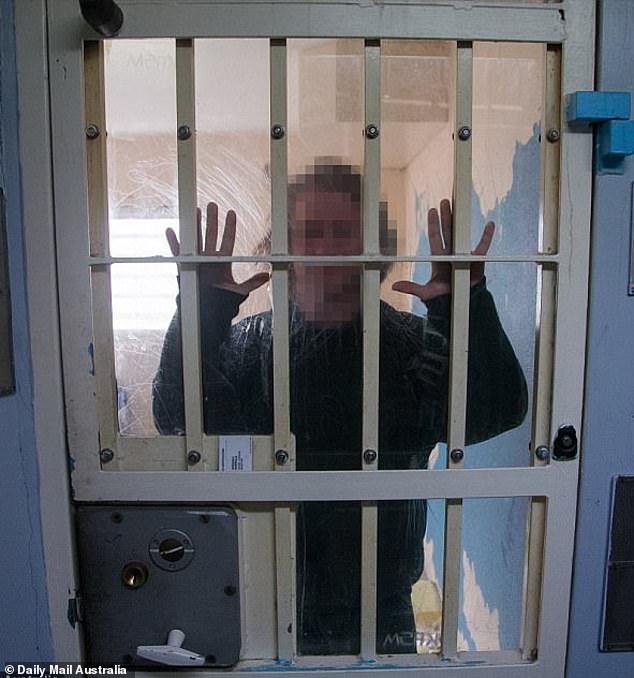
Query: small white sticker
(236,453)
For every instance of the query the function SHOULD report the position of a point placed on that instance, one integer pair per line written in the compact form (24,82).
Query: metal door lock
(565,445)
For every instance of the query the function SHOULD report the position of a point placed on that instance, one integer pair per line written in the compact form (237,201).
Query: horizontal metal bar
(501,657)
(485,664)
(271,486)
(438,21)
(552,259)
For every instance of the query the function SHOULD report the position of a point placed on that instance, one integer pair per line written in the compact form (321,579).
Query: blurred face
(324,224)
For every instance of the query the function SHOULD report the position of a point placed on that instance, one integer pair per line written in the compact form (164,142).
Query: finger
(485,241)
(211,229)
(172,241)
(446,221)
(433,232)
(229,235)
(254,282)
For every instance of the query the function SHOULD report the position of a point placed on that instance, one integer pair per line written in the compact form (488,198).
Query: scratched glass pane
(140,92)
(508,93)
(502,334)
(325,101)
(233,134)
(493,569)
(410,574)
(142,306)
(417,154)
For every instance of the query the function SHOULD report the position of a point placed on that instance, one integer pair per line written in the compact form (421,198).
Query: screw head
(372,131)
(92,131)
(457,455)
(369,456)
(464,133)
(230,590)
(542,453)
(281,457)
(184,132)
(106,455)
(552,135)
(277,132)
(193,457)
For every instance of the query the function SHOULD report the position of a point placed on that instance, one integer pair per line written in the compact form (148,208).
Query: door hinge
(75,611)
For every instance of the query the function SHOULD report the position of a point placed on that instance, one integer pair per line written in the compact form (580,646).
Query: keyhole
(171,550)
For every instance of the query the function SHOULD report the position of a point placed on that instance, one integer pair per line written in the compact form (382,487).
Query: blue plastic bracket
(610,112)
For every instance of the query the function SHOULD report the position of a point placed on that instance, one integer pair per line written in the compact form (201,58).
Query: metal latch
(75,611)
(610,112)
(565,445)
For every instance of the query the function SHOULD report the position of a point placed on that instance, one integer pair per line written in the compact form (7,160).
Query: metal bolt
(542,453)
(457,455)
(369,456)
(106,455)
(552,135)
(567,441)
(464,133)
(372,131)
(92,131)
(281,457)
(193,457)
(277,132)
(230,590)
(184,132)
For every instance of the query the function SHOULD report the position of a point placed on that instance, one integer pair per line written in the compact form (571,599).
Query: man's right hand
(219,274)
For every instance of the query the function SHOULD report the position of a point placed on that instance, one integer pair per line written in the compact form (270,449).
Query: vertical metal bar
(104,360)
(371,328)
(550,168)
(187,202)
(285,454)
(459,347)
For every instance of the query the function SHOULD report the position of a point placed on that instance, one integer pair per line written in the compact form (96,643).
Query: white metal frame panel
(570,23)
(459,348)
(189,243)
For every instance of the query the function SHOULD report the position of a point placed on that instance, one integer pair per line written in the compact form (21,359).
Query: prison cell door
(386,425)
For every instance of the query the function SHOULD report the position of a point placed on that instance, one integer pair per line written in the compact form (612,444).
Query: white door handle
(172,653)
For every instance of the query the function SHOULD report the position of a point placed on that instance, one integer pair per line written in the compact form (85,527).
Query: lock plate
(147,570)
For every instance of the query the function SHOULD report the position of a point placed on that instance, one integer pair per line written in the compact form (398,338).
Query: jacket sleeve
(497,396)
(217,309)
